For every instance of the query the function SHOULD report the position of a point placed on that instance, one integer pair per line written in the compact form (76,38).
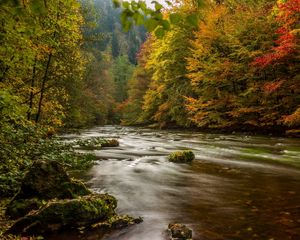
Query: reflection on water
(239,187)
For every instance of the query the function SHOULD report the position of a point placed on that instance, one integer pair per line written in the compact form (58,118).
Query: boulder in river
(182,156)
(110,143)
(117,222)
(96,143)
(179,232)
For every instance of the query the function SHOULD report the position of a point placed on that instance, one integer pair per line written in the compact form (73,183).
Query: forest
(213,66)
(238,69)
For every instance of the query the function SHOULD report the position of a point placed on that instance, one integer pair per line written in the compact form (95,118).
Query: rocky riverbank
(50,201)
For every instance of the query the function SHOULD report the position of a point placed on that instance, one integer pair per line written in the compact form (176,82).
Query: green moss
(96,143)
(45,180)
(110,143)
(117,222)
(50,201)
(75,188)
(48,180)
(182,156)
(58,214)
(19,208)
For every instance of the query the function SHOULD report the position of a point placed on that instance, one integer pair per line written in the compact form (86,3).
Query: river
(239,186)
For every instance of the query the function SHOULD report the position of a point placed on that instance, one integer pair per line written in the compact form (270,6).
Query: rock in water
(182,156)
(117,222)
(45,180)
(179,232)
(59,214)
(110,143)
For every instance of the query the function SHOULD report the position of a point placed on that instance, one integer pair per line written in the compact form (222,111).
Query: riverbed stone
(45,180)
(179,232)
(117,222)
(186,156)
(68,213)
(96,143)
(110,143)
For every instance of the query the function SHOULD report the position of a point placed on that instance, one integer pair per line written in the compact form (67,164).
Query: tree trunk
(43,89)
(31,96)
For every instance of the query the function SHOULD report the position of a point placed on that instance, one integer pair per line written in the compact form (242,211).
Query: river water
(239,187)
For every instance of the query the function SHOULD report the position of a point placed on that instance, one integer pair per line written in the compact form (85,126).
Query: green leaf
(125,5)
(166,25)
(151,24)
(138,18)
(142,5)
(193,19)
(175,18)
(135,6)
(123,17)
(158,6)
(159,32)
(157,15)
(116,3)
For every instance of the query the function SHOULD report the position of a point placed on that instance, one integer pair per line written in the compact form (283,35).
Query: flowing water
(239,187)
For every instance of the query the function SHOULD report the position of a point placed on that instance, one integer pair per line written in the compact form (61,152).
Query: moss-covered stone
(48,180)
(110,143)
(73,189)
(19,208)
(59,214)
(117,222)
(50,201)
(182,156)
(45,180)
(96,143)
(179,232)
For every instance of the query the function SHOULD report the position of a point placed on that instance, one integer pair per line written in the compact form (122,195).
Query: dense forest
(238,69)
(66,63)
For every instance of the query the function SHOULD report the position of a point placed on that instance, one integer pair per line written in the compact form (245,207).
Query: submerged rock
(45,180)
(182,156)
(59,214)
(179,232)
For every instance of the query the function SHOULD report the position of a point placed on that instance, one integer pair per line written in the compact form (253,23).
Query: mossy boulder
(110,143)
(19,208)
(59,214)
(117,222)
(182,156)
(179,232)
(50,201)
(96,143)
(45,180)
(48,180)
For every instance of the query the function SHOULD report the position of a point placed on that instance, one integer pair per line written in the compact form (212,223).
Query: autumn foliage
(238,70)
(287,40)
